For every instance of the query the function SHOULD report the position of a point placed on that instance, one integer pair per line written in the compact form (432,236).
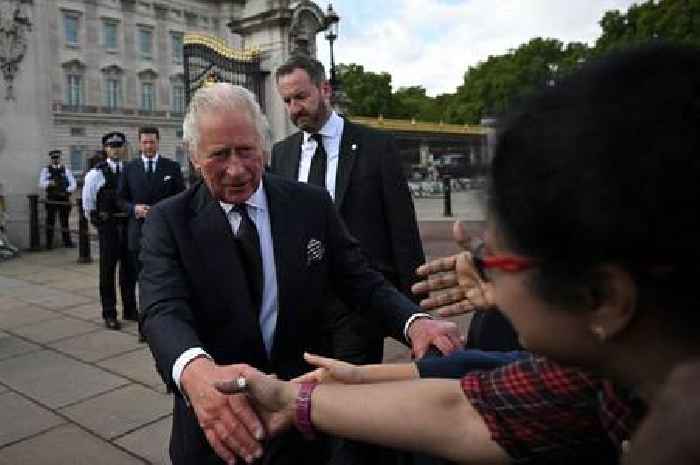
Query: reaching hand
(425,332)
(330,371)
(229,423)
(453,282)
(274,400)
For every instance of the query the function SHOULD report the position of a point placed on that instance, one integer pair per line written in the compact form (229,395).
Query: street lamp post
(332,20)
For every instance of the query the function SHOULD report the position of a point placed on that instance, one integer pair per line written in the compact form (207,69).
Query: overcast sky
(433,42)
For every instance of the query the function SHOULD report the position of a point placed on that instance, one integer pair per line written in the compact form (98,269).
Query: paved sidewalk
(73,392)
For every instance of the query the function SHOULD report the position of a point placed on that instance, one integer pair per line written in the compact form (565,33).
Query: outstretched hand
(330,371)
(453,283)
(273,400)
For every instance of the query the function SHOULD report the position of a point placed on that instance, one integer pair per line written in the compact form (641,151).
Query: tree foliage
(494,85)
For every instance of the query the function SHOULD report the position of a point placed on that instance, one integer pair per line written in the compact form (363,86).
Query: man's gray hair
(223,97)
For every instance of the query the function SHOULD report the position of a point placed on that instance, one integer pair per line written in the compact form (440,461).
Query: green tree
(369,93)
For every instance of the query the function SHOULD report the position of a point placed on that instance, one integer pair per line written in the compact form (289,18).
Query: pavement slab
(22,418)
(150,442)
(54,329)
(66,445)
(138,366)
(25,315)
(90,312)
(55,380)
(120,411)
(97,345)
(11,346)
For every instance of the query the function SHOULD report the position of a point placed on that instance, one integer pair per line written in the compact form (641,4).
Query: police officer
(59,182)
(99,204)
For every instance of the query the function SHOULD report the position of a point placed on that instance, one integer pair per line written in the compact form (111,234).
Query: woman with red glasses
(592,254)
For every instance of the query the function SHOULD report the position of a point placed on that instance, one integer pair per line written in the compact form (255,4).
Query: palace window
(71,28)
(176,39)
(145,43)
(110,29)
(147,96)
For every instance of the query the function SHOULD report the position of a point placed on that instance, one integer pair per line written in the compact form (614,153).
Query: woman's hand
(273,400)
(330,371)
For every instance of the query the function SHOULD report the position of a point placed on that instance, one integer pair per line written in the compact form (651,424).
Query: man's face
(115,153)
(307,104)
(148,144)
(229,155)
(56,161)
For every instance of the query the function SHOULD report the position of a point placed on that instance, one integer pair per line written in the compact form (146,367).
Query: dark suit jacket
(193,291)
(373,199)
(135,188)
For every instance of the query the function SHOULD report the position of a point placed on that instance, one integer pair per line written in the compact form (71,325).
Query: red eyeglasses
(509,264)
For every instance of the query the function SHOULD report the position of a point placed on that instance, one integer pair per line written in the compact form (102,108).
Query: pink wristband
(302,419)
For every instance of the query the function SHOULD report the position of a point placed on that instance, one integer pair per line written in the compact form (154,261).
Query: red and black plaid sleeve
(540,412)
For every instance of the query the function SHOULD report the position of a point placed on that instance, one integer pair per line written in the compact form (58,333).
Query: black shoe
(69,245)
(112,323)
(130,318)
(142,338)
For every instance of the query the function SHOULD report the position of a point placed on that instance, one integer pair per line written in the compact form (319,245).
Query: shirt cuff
(410,321)
(181,363)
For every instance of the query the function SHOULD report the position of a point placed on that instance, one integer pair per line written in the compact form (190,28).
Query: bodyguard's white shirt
(44,178)
(146,160)
(260,215)
(331,134)
(94,180)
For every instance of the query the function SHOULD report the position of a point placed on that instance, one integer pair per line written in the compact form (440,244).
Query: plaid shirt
(540,412)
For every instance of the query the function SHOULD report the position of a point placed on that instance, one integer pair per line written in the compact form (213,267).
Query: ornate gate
(208,59)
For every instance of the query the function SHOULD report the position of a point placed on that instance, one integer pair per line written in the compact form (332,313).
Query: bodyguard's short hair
(313,68)
(149,130)
(221,97)
(55,153)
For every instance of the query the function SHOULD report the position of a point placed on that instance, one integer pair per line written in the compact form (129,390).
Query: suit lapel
(211,232)
(286,236)
(292,157)
(349,145)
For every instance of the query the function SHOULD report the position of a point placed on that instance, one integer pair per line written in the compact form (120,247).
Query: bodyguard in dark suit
(147,180)
(361,169)
(236,271)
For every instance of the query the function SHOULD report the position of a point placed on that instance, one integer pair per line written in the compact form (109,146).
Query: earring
(599,332)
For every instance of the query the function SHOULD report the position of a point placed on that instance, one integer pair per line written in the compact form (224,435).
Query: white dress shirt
(260,215)
(94,180)
(146,160)
(331,134)
(44,179)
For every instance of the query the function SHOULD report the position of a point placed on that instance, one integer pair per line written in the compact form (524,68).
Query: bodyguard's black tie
(248,242)
(149,173)
(117,171)
(317,172)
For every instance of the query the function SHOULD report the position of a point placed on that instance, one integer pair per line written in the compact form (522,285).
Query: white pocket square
(167,178)
(314,251)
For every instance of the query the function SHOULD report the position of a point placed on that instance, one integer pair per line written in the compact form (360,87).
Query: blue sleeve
(461,362)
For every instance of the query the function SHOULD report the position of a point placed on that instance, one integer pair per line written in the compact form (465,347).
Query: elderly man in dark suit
(236,271)
(361,169)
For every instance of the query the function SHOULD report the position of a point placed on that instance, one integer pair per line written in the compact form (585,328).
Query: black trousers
(113,253)
(63,213)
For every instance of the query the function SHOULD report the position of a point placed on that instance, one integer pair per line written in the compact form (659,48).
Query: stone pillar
(25,112)
(279,30)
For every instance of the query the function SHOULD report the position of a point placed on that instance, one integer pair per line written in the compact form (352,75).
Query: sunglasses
(506,263)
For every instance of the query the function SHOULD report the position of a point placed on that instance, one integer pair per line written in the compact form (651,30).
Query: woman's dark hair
(604,167)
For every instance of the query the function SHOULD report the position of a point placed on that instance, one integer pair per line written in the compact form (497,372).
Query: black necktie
(317,172)
(149,172)
(117,171)
(249,245)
